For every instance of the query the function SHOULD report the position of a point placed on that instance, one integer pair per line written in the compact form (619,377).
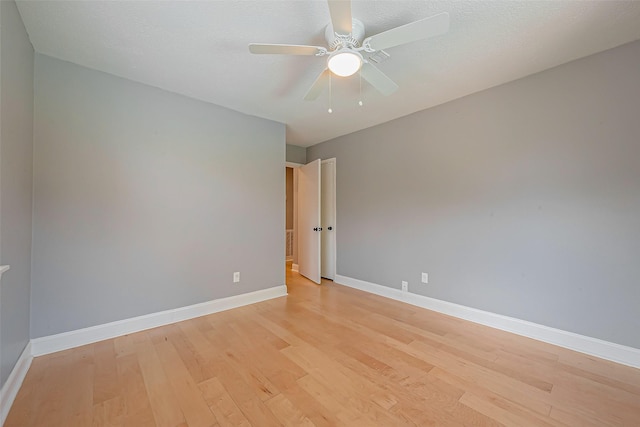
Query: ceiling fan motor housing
(345,40)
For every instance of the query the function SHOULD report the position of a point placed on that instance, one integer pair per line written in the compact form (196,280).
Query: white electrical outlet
(236,277)
(405,286)
(425,278)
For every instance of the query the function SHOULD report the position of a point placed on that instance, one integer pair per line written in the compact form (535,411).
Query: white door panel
(309,220)
(328,219)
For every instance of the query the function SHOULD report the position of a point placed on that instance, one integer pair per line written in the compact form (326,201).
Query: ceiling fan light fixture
(344,62)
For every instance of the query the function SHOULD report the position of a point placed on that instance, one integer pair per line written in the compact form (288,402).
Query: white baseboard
(66,340)
(593,346)
(294,267)
(14,381)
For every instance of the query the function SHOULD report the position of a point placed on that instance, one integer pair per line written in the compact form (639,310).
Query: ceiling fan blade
(378,79)
(341,20)
(422,29)
(286,49)
(318,86)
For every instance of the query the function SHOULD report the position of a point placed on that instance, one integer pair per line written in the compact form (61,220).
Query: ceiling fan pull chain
(330,110)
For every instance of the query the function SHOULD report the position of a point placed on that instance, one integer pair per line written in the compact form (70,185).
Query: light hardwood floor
(325,355)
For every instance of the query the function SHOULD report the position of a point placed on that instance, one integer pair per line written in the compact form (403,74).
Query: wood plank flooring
(324,356)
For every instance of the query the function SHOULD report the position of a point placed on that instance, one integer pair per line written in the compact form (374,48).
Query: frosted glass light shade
(345,63)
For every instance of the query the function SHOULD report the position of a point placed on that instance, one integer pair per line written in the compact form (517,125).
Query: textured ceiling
(199,49)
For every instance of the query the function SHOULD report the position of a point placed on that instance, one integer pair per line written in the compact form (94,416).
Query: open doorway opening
(289,229)
(291,216)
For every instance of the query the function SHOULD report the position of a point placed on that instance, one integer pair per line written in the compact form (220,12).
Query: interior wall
(521,200)
(146,200)
(16,148)
(296,154)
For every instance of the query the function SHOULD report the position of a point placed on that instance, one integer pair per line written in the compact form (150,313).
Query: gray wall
(146,200)
(522,200)
(16,148)
(296,154)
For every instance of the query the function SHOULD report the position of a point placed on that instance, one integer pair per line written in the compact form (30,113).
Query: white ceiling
(199,49)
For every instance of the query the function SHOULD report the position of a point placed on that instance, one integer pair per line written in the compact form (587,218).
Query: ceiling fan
(346,42)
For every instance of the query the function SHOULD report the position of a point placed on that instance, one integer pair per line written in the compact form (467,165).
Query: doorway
(291,215)
(289,231)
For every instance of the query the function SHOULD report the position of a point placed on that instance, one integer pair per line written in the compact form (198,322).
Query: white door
(309,220)
(328,219)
